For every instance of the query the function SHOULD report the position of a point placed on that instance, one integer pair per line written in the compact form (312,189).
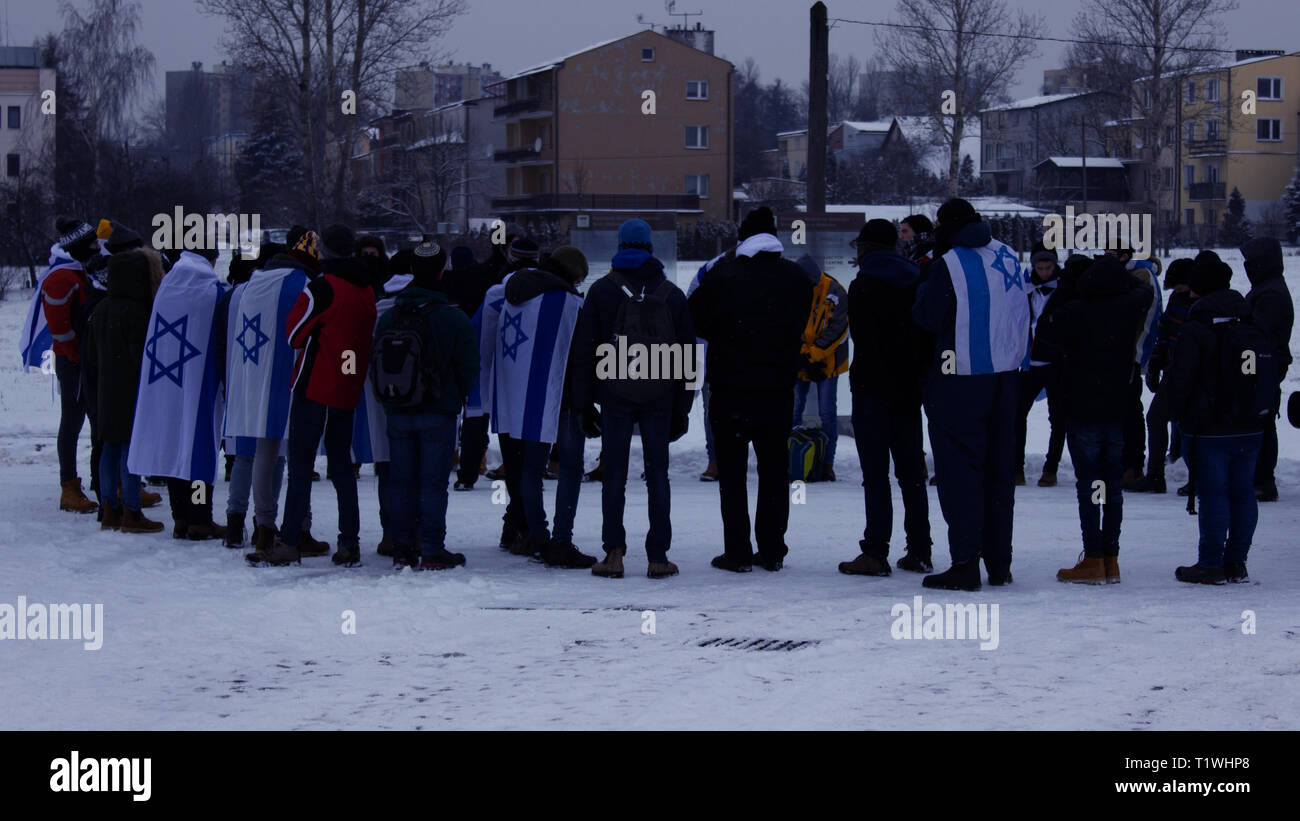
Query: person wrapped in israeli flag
(35,338)
(178,410)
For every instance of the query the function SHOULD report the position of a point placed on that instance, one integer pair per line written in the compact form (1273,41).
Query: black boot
(235,530)
(347,556)
(559,553)
(1196,574)
(725,562)
(958,577)
(768,564)
(871,561)
(1235,573)
(916,560)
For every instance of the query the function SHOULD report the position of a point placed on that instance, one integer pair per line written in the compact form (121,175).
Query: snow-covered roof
(876,125)
(988,206)
(791,133)
(440,139)
(1225,66)
(1077,162)
(1035,102)
(550,64)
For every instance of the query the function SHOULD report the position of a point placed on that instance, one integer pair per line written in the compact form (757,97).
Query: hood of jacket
(415,295)
(528,283)
(348,268)
(973,235)
(648,271)
(759,243)
(128,277)
(1105,277)
(1263,256)
(889,267)
(1219,305)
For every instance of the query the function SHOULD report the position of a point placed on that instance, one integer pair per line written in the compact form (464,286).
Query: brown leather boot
(149,498)
(278,555)
(74,499)
(1111,564)
(133,521)
(611,567)
(661,570)
(1087,571)
(112,519)
(307,546)
(263,541)
(207,530)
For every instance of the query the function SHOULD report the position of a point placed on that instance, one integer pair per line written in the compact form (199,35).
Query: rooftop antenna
(671,7)
(640,18)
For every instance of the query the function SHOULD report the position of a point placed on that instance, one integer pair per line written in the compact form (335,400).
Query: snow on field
(194,639)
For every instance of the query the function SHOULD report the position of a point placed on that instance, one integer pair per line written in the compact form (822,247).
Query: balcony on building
(1207,191)
(1207,148)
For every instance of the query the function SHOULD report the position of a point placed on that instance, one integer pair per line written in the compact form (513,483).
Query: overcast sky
(517,34)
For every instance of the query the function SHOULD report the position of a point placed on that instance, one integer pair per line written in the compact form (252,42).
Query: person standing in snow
(1147,272)
(916,240)
(1090,340)
(177,425)
(751,310)
(1272,311)
(64,293)
(891,354)
(825,355)
(1044,279)
(1171,323)
(331,325)
(635,297)
(974,302)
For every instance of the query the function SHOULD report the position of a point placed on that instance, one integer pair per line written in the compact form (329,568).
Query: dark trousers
(72,416)
(615,446)
(473,444)
(1095,450)
(572,446)
(1267,462)
(383,473)
(1032,381)
(421,446)
(525,472)
(1135,425)
(308,421)
(882,428)
(1157,437)
(1224,469)
(973,435)
(181,494)
(763,420)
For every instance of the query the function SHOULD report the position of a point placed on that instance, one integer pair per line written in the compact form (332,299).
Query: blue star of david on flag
(184,352)
(259,338)
(511,349)
(1007,264)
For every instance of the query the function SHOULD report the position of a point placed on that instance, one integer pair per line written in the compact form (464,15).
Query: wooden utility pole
(818,67)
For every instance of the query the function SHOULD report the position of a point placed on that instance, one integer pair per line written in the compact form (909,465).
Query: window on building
(1268,88)
(1169,178)
(697,184)
(1189,175)
(697,136)
(11,164)
(1191,91)
(1169,135)
(1211,129)
(1211,216)
(1212,90)
(1268,129)
(1212,172)
(15,117)
(1191,131)
(647,55)
(1189,216)
(697,90)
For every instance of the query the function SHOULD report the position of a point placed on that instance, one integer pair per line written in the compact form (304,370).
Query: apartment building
(434,86)
(1017,137)
(582,136)
(206,113)
(26,134)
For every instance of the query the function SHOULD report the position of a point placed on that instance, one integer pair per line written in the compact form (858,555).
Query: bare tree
(101,55)
(971,48)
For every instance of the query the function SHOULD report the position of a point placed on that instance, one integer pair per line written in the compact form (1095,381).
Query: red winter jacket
(63,292)
(332,322)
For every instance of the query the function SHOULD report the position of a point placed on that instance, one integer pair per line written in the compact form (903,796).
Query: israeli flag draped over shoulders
(370,422)
(992,328)
(35,338)
(178,409)
(486,325)
(531,352)
(259,360)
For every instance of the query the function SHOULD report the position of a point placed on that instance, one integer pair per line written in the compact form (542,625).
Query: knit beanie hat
(338,241)
(523,249)
(635,235)
(759,221)
(571,261)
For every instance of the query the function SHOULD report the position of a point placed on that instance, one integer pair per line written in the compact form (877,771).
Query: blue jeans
(112,467)
(1224,472)
(308,421)
(1097,453)
(422,446)
(826,410)
(572,445)
(241,485)
(616,425)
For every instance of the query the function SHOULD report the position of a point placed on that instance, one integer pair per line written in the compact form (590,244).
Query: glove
(678,427)
(591,422)
(1153,378)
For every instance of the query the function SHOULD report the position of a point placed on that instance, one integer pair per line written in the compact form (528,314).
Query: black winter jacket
(1091,337)
(1191,380)
(1269,299)
(119,327)
(890,351)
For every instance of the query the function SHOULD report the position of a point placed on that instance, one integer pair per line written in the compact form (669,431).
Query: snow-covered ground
(193,638)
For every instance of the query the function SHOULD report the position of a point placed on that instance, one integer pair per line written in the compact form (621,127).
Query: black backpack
(404,360)
(644,318)
(1245,397)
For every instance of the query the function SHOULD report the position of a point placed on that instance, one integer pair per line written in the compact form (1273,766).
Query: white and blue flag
(485,322)
(531,351)
(259,359)
(370,422)
(992,328)
(35,338)
(178,409)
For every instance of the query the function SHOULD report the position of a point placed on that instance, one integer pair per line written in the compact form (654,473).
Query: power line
(1041,38)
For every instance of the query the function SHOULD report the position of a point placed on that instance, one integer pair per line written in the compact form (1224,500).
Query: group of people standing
(326,341)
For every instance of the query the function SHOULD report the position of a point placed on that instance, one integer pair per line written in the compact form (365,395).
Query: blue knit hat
(635,233)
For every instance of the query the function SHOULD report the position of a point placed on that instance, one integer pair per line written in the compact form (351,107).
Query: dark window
(11,165)
(647,55)
(15,117)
